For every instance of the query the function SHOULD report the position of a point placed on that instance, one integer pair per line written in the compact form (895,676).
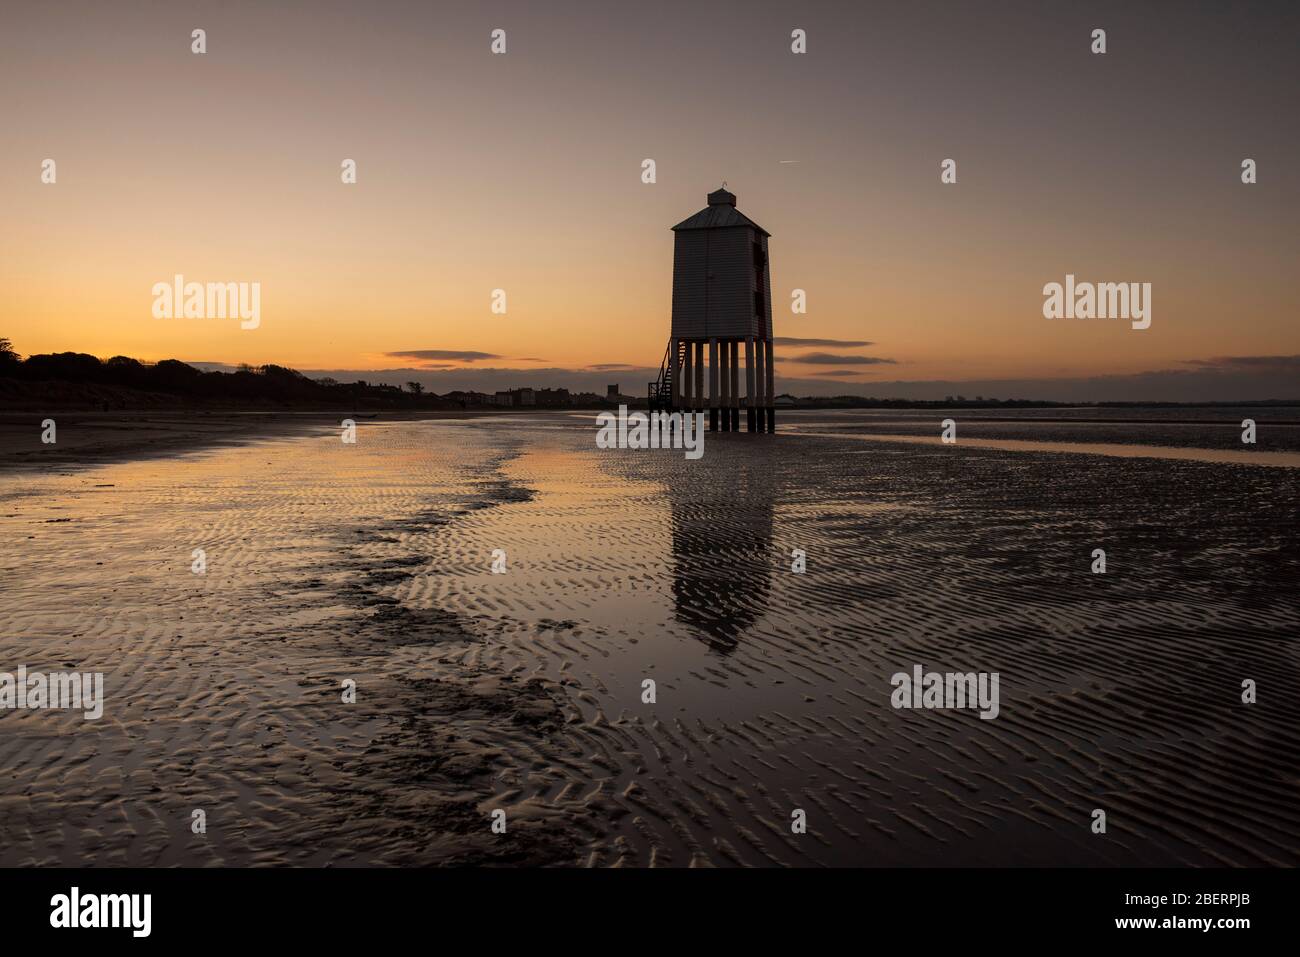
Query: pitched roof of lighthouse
(721,211)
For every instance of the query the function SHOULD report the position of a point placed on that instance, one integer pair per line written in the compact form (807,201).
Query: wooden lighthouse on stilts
(722,299)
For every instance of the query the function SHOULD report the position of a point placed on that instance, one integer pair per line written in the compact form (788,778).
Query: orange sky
(522,172)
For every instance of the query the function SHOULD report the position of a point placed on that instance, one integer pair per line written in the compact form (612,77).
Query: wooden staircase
(660,392)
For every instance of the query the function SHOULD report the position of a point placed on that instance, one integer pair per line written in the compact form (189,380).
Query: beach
(523,690)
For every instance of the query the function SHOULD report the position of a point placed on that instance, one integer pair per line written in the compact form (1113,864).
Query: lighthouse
(722,306)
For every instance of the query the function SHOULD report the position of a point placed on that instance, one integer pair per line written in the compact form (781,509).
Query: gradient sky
(522,172)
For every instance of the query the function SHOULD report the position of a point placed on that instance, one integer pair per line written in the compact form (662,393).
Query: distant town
(542,398)
(561,398)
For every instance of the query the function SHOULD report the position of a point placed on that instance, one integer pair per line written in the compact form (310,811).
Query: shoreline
(93,438)
(88,439)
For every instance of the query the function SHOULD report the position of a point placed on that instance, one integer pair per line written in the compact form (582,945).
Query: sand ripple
(522,691)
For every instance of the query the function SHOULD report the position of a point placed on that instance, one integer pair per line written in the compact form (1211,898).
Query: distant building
(611,391)
(524,397)
(553,398)
(468,398)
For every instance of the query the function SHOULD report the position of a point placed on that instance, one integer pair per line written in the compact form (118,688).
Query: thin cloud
(457,355)
(830,359)
(1249,363)
(833,343)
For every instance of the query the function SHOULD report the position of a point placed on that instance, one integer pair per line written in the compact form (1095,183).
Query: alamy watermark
(75,909)
(658,430)
(58,690)
(932,689)
(214,300)
(1103,300)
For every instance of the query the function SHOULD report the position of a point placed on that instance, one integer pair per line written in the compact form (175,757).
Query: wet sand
(522,691)
(1127,450)
(1209,429)
(92,438)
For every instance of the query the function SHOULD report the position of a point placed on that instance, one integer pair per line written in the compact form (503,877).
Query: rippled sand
(522,691)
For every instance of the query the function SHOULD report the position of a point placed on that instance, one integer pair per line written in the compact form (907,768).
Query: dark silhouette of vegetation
(122,382)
